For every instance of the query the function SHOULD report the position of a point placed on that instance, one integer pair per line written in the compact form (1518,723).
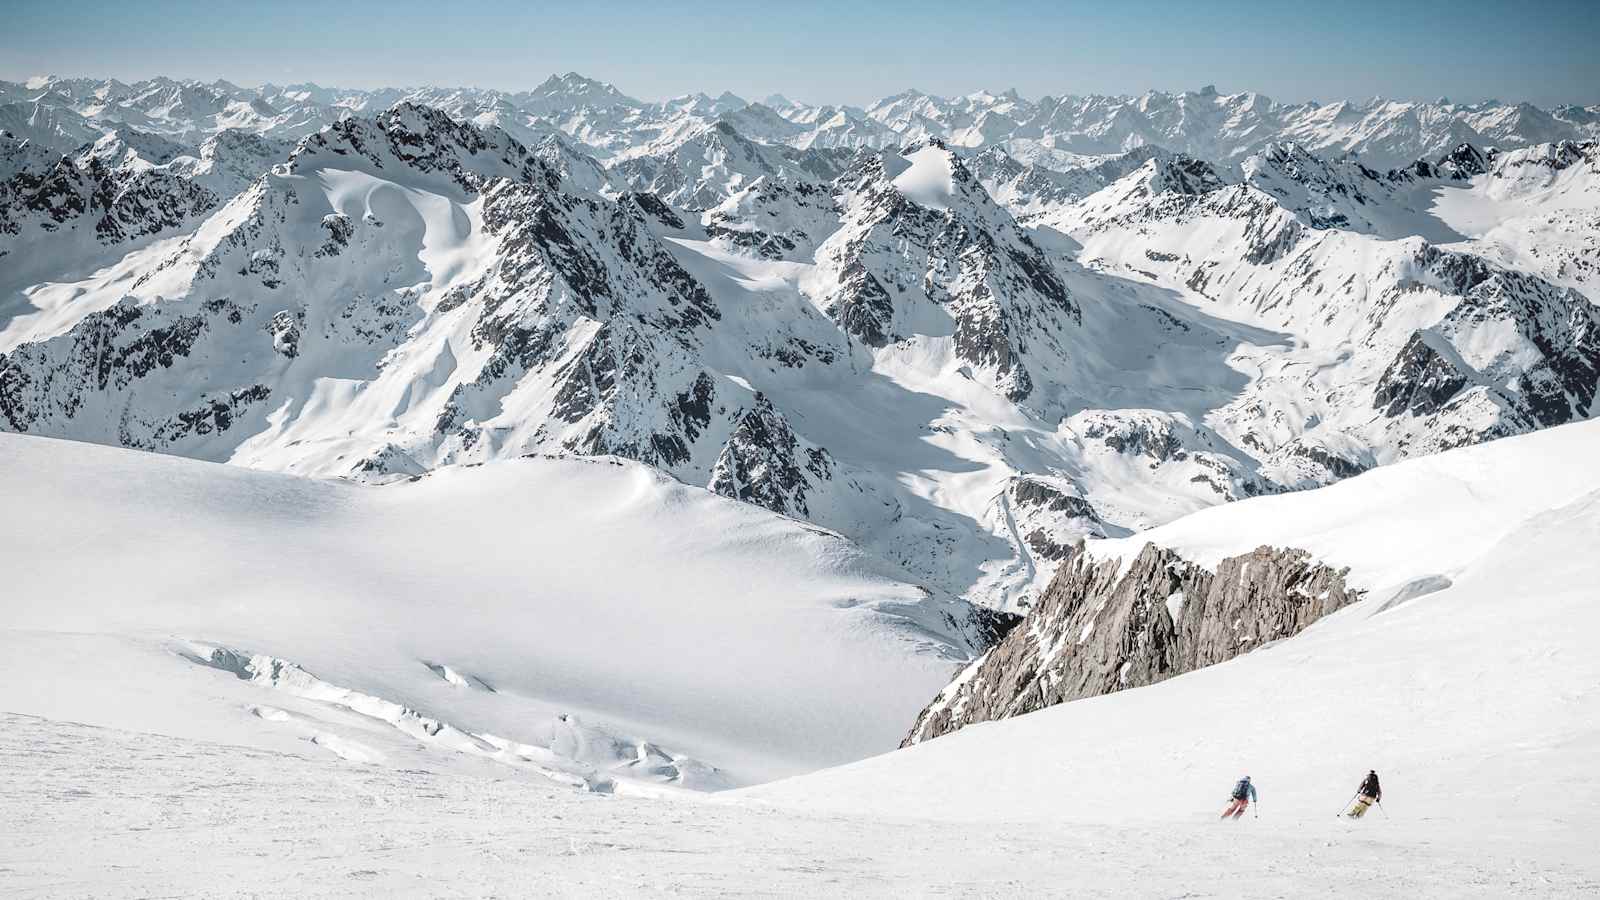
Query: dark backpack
(1242,789)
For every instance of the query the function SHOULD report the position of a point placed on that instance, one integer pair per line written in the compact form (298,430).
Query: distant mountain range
(961,333)
(61,113)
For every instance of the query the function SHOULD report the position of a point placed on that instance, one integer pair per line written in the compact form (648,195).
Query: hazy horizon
(716,91)
(833,52)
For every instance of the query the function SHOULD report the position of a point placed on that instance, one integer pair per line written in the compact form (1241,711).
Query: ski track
(106,813)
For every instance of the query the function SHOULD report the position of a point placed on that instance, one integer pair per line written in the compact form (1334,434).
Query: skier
(1243,793)
(1366,795)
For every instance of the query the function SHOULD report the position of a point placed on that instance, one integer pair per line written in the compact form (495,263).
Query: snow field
(652,611)
(154,814)
(1469,685)
(927,180)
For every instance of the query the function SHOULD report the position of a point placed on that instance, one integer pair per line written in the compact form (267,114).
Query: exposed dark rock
(285,331)
(1044,546)
(1269,238)
(46,384)
(1030,492)
(1554,384)
(211,415)
(339,229)
(653,207)
(1420,380)
(121,204)
(1337,466)
(764,463)
(1186,175)
(997,285)
(862,307)
(1102,627)
(1464,162)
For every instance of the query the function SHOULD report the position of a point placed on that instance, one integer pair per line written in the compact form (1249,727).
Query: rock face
(116,206)
(1103,626)
(901,247)
(1515,344)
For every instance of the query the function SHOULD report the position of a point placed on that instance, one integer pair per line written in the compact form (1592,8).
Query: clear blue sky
(851,52)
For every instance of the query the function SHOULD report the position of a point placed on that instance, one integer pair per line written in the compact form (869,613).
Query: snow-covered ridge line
(1441,512)
(66,112)
(1126,613)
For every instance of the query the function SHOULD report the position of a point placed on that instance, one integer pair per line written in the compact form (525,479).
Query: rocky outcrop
(1104,625)
(1420,380)
(764,463)
(775,219)
(117,206)
(1006,306)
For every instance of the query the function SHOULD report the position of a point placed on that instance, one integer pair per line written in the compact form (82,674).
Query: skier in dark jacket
(1369,793)
(1243,793)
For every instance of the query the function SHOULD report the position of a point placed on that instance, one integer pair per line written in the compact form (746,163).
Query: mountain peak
(581,88)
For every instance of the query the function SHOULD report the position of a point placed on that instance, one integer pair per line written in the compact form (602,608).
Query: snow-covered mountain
(1027,188)
(1055,132)
(716,163)
(1392,289)
(87,211)
(407,292)
(1087,351)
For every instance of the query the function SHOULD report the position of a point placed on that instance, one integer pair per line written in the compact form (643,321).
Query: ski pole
(1347,805)
(1385,811)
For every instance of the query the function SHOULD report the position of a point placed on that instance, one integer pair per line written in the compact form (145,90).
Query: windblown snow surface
(140,756)
(593,619)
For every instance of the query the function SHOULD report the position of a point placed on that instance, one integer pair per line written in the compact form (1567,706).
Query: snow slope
(1430,518)
(1477,702)
(589,619)
(144,808)
(1466,677)
(927,180)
